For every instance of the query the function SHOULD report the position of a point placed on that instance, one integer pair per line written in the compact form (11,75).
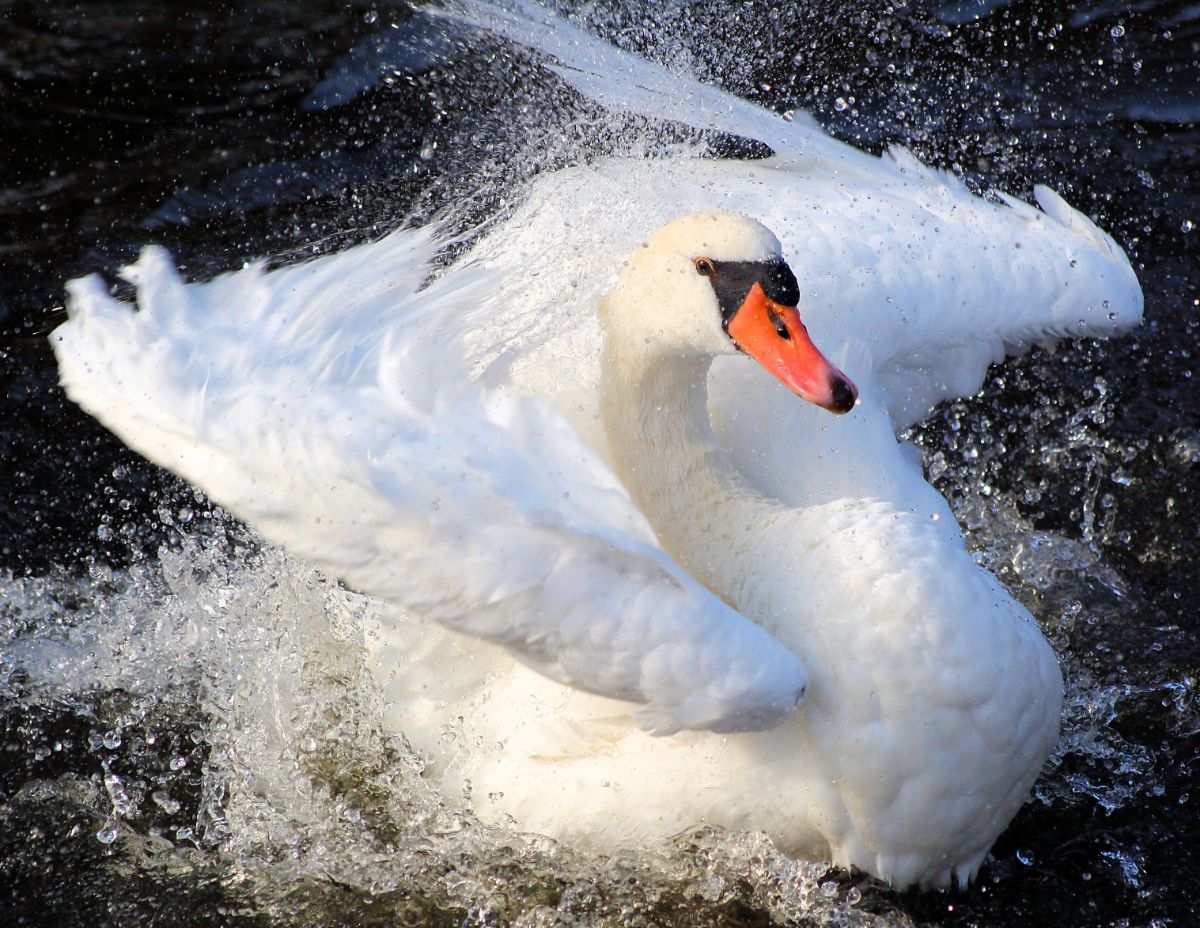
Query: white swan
(330,405)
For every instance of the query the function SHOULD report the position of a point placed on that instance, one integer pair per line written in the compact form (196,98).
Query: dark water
(297,127)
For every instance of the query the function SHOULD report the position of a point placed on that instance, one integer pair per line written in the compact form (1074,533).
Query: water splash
(233,727)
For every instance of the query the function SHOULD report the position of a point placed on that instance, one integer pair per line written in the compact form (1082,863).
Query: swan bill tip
(843,396)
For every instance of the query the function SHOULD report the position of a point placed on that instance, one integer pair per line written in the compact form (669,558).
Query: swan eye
(705,267)
(781,328)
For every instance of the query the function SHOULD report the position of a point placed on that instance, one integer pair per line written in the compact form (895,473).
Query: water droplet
(714,886)
(109,833)
(436,504)
(1025,856)
(1187,226)
(1117,31)
(112,740)
(840,104)
(427,150)
(163,800)
(179,762)
(1074,263)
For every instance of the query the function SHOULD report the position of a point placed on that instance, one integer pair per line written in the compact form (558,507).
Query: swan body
(932,699)
(639,595)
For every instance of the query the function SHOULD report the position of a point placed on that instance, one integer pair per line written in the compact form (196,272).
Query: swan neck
(655,411)
(654,406)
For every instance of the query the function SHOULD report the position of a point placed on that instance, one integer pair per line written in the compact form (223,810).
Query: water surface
(204,753)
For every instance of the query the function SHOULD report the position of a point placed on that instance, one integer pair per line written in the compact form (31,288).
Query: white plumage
(444,448)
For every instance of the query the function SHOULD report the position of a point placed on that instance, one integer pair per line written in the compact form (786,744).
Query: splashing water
(232,724)
(193,733)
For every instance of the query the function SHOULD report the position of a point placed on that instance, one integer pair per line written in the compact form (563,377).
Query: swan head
(715,283)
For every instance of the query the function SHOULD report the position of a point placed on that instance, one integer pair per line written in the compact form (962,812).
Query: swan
(929,699)
(876,699)
(712,603)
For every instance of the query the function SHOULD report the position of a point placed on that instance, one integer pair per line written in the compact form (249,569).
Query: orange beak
(775,337)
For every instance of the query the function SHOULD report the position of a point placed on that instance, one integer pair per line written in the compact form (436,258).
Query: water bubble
(178,762)
(1187,226)
(115,788)
(1185,448)
(840,104)
(427,150)
(1025,856)
(714,887)
(1117,31)
(109,833)
(112,739)
(163,800)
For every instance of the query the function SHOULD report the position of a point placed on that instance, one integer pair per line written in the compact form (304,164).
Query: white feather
(329,404)
(331,417)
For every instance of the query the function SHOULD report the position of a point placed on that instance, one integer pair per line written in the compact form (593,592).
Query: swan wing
(325,407)
(941,282)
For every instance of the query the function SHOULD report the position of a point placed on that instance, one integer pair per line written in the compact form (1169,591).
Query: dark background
(291,128)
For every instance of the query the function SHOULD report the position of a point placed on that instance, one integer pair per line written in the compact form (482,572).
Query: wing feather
(337,419)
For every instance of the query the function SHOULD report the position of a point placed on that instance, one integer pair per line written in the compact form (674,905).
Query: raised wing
(939,282)
(325,404)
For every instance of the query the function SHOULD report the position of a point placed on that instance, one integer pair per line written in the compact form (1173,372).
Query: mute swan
(932,698)
(858,688)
